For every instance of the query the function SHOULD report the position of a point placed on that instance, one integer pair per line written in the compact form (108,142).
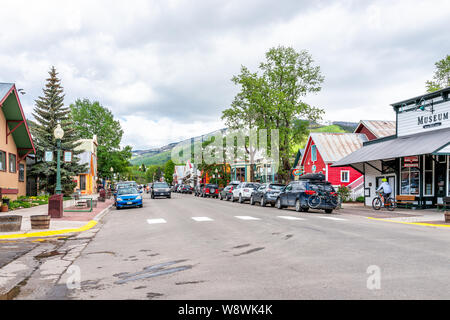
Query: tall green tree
(91,118)
(48,112)
(441,78)
(273,98)
(169,170)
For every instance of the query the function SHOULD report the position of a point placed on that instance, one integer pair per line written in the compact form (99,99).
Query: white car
(244,191)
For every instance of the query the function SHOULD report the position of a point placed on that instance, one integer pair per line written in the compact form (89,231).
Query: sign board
(48,157)
(67,156)
(297,172)
(411,162)
(434,115)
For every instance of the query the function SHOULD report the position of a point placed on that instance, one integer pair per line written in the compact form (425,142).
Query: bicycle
(377,203)
(314,201)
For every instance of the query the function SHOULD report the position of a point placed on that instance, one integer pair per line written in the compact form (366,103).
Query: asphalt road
(194,248)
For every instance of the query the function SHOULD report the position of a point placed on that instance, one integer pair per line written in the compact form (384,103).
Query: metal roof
(380,128)
(427,96)
(412,145)
(335,146)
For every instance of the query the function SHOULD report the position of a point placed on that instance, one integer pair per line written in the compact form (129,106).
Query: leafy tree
(441,78)
(153,173)
(169,169)
(48,112)
(273,99)
(91,118)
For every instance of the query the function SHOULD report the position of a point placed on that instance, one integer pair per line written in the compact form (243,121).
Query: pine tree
(50,111)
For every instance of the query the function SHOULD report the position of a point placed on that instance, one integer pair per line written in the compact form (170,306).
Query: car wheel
(328,211)
(232,198)
(263,202)
(278,204)
(117,208)
(252,201)
(298,206)
(272,204)
(153,196)
(240,198)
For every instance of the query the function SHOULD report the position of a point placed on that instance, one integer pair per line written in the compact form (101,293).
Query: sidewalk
(428,216)
(70,223)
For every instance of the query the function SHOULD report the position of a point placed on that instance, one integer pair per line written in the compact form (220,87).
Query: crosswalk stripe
(290,218)
(201,219)
(247,218)
(156,221)
(332,218)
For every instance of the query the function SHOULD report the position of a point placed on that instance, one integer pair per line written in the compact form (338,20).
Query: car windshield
(127,190)
(251,185)
(160,185)
(276,186)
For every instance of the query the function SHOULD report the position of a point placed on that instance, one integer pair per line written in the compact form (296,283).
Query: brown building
(15,143)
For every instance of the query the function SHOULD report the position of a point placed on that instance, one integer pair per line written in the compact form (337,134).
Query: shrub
(344,193)
(360,199)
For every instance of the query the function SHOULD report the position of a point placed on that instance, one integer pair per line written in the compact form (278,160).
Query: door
(82,182)
(390,180)
(441,167)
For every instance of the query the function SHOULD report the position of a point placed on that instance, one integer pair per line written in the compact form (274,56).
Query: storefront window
(21,172)
(12,163)
(428,175)
(448,176)
(410,178)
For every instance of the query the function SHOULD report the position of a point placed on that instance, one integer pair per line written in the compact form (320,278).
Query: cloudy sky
(164,67)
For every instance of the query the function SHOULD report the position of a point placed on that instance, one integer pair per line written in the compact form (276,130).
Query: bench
(405,201)
(445,205)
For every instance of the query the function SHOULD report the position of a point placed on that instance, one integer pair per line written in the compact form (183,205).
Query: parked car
(128,197)
(226,192)
(186,189)
(123,184)
(198,189)
(210,190)
(266,193)
(244,191)
(311,191)
(161,189)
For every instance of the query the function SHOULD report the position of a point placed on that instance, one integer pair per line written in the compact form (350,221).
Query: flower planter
(10,223)
(447,216)
(4,208)
(40,222)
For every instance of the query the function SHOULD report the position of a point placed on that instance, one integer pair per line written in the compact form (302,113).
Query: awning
(432,142)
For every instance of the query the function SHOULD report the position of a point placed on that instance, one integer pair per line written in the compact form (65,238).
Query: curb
(50,233)
(412,223)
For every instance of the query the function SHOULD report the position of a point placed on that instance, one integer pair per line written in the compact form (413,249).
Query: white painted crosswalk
(201,219)
(249,218)
(156,221)
(246,218)
(290,218)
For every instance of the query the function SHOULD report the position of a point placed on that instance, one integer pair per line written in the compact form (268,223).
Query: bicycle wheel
(334,201)
(390,204)
(376,203)
(314,201)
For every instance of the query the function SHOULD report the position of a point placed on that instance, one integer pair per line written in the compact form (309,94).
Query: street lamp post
(112,173)
(217,171)
(59,134)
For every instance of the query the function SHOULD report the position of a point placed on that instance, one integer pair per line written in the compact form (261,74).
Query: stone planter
(10,223)
(40,222)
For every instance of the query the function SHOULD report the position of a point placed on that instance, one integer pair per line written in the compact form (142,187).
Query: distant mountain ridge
(159,156)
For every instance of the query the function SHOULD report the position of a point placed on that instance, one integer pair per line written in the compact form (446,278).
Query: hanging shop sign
(297,172)
(411,162)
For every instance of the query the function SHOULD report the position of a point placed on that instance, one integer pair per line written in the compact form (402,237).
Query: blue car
(128,197)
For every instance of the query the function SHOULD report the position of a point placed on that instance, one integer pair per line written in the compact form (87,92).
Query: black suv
(210,190)
(311,191)
(160,189)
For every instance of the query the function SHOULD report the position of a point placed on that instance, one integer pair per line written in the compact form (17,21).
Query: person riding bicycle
(387,190)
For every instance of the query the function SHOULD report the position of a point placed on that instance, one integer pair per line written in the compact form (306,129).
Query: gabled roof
(432,142)
(335,146)
(379,128)
(16,122)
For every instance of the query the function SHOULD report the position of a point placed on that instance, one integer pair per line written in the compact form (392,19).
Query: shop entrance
(441,167)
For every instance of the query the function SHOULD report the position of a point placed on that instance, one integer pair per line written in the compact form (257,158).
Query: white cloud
(169,63)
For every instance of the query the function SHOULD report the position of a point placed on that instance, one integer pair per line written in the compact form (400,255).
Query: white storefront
(416,159)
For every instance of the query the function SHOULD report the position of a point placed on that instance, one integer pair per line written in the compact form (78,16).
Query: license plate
(130,202)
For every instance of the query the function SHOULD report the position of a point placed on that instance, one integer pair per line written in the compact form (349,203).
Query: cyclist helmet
(384,180)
